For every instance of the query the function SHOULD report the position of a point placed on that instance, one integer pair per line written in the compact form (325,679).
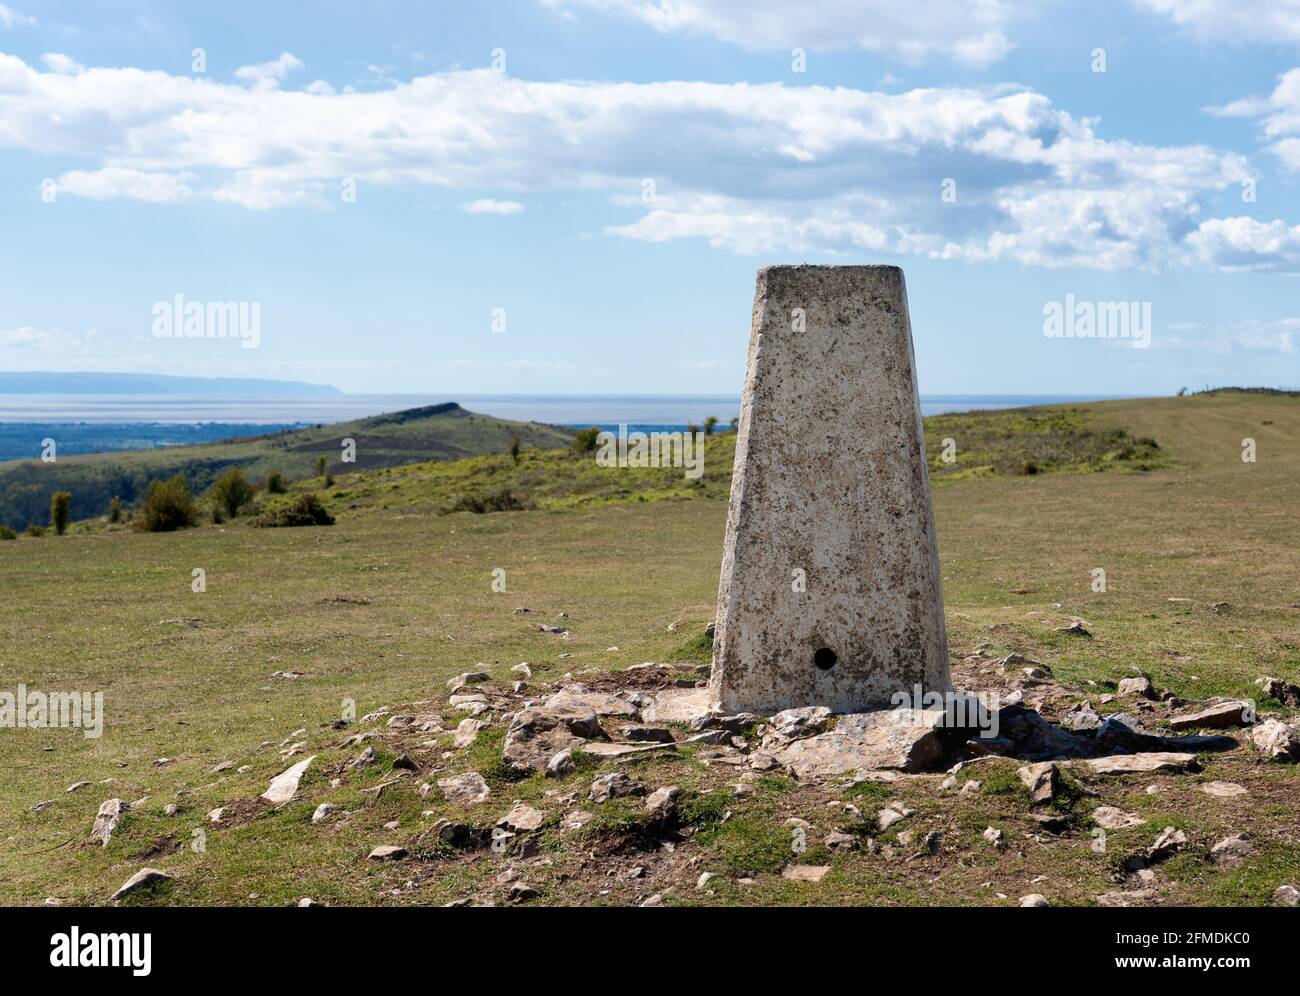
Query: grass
(397,597)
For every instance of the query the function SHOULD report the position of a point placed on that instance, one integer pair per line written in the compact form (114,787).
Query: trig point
(830,574)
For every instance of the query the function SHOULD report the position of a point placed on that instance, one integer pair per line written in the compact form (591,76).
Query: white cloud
(762,168)
(10,17)
(61,63)
(1250,335)
(119,181)
(1233,20)
(1279,115)
(46,341)
(1237,244)
(968,31)
(269,74)
(489,206)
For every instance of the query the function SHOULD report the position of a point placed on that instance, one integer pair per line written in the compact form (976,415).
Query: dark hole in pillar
(824,659)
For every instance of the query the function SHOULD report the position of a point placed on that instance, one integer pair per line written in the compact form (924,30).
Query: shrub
(320,466)
(115,509)
(709,424)
(60,506)
(275,483)
(501,500)
(230,491)
(514,448)
(168,506)
(7,534)
(34,530)
(305,510)
(586,440)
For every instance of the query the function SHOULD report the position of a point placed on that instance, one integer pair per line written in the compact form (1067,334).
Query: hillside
(437,432)
(208,696)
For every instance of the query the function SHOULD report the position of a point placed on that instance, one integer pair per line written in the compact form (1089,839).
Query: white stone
(830,493)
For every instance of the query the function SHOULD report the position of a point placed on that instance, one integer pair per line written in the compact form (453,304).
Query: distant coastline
(558,409)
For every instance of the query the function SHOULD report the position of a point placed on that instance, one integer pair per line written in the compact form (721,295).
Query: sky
(573,196)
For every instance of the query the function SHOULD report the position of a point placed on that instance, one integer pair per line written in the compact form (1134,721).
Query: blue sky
(523,187)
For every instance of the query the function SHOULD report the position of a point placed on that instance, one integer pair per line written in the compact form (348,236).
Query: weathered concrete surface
(830,480)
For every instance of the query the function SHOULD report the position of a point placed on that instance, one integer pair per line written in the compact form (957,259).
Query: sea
(554,409)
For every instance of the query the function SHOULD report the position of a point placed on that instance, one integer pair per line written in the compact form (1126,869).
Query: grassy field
(385,606)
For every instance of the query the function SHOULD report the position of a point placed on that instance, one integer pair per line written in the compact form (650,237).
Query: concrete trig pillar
(830,574)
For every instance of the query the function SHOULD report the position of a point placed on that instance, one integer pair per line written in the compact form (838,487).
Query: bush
(34,530)
(501,500)
(586,440)
(231,491)
(275,483)
(7,534)
(168,506)
(305,510)
(115,509)
(60,506)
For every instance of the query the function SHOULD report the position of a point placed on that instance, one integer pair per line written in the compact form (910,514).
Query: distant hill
(435,432)
(130,383)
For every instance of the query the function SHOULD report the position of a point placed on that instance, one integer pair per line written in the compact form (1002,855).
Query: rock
(615,751)
(735,723)
(891,814)
(1287,895)
(387,852)
(805,873)
(994,837)
(366,758)
(307,901)
(601,703)
(106,820)
(794,724)
(553,630)
(467,731)
(521,892)
(648,734)
(404,762)
(661,802)
(144,878)
(39,806)
(469,677)
(1218,717)
(1130,764)
(1231,851)
(1110,818)
(616,783)
(217,815)
(1223,790)
(465,789)
(76,786)
(839,841)
(561,764)
(1076,628)
(323,811)
(171,809)
(1166,843)
(537,734)
(1140,686)
(522,818)
(971,786)
(1277,740)
(284,785)
(901,739)
(932,842)
(704,879)
(1034,899)
(1283,691)
(1040,779)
